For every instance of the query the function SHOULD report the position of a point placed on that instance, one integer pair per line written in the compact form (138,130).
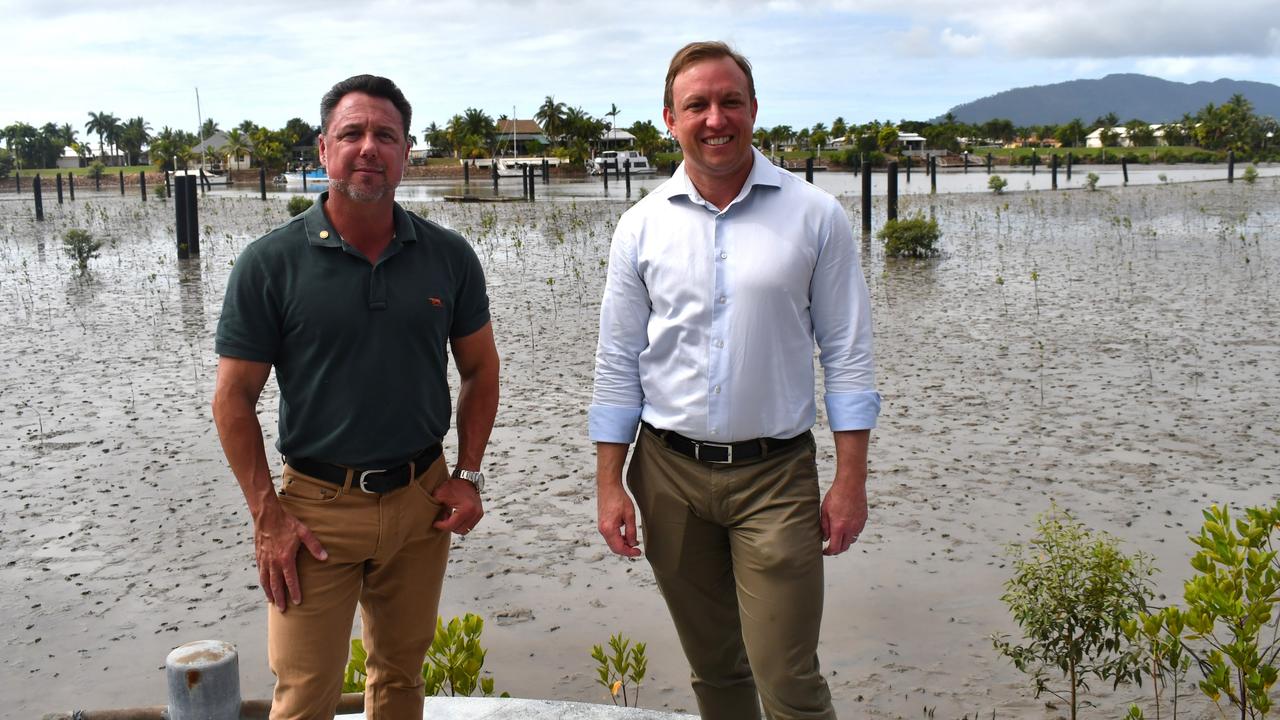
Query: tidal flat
(1114,351)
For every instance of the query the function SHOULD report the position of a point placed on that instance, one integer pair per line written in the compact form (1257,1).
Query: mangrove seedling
(625,667)
(997,184)
(80,246)
(913,237)
(1071,592)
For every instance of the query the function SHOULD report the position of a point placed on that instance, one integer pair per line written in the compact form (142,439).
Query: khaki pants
(384,554)
(737,553)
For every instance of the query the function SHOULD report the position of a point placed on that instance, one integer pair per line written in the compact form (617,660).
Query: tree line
(574,135)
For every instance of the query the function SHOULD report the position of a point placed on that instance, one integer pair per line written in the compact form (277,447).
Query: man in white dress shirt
(719,284)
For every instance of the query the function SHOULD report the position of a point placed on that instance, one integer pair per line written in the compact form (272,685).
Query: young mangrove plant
(913,237)
(452,666)
(80,246)
(997,184)
(625,667)
(1071,592)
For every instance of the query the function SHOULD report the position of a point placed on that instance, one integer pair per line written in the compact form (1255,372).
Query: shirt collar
(763,173)
(321,233)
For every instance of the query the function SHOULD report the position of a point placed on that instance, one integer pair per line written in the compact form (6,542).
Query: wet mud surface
(1132,381)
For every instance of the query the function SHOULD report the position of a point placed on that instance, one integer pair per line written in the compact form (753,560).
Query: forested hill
(1128,96)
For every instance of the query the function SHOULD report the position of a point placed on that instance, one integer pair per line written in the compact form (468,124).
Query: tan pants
(384,554)
(737,553)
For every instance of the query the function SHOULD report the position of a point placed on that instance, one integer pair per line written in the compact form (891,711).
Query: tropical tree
(887,138)
(102,124)
(780,135)
(246,127)
(839,128)
(480,129)
(551,116)
(613,115)
(6,163)
(19,137)
(135,133)
(208,128)
(269,149)
(237,146)
(648,138)
(1140,133)
(436,137)
(1071,133)
(761,138)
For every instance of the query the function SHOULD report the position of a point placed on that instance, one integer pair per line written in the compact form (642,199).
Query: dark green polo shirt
(360,350)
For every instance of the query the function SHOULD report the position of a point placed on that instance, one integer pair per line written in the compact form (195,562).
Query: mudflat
(1113,351)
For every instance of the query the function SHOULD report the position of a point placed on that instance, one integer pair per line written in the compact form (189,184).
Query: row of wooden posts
(183,190)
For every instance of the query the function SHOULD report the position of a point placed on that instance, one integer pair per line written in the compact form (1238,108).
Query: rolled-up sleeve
(617,398)
(841,312)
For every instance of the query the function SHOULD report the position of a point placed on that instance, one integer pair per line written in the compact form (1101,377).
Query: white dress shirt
(709,316)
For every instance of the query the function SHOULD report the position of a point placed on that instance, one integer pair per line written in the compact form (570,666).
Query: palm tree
(133,135)
(209,127)
(480,128)
(237,145)
(551,116)
(100,124)
(613,115)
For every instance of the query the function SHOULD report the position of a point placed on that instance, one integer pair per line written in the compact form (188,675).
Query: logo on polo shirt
(435,302)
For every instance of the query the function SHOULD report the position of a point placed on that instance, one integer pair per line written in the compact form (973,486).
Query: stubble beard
(356,193)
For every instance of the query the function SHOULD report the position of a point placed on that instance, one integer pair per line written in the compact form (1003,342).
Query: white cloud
(960,44)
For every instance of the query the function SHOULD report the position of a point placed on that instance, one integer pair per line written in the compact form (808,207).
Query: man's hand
(844,515)
(617,519)
(276,539)
(461,508)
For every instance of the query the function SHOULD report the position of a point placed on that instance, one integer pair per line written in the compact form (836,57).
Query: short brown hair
(696,52)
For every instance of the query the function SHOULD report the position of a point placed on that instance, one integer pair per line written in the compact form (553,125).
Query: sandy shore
(1133,382)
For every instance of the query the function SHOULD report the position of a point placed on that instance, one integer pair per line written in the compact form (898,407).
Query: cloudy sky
(814,60)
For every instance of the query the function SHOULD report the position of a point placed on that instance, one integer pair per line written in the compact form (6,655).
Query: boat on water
(210,177)
(509,166)
(619,159)
(319,176)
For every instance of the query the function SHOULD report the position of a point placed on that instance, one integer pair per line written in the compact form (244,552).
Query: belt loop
(346,484)
(764,448)
(413,472)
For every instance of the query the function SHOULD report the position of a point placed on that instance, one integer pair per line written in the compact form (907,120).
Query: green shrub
(298,204)
(910,237)
(80,246)
(997,184)
(627,663)
(97,170)
(452,666)
(1073,592)
(6,163)
(1250,174)
(1091,181)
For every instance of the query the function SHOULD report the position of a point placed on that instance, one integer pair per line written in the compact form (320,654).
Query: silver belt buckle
(697,452)
(364,474)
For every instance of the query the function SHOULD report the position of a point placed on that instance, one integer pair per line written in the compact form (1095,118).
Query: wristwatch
(475,477)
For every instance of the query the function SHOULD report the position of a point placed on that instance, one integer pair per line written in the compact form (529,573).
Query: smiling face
(712,116)
(363,148)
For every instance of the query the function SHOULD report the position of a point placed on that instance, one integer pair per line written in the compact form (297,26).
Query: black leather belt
(724,453)
(370,481)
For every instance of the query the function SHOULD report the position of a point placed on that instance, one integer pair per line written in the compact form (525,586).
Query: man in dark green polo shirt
(354,304)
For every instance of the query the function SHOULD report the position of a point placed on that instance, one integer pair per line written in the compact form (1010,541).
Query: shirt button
(719,344)
(724,255)
(717,392)
(721,299)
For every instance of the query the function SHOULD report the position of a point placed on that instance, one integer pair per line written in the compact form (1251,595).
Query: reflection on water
(191,299)
(951,180)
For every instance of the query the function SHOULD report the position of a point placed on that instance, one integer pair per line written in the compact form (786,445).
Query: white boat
(319,176)
(618,159)
(211,177)
(510,166)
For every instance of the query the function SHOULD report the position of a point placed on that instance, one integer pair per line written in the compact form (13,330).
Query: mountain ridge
(1128,95)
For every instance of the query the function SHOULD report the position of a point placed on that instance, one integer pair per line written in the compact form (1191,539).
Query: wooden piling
(933,174)
(1124,169)
(59,188)
(533,180)
(121,183)
(1070,161)
(35,188)
(892,188)
(71,186)
(466,174)
(1053,167)
(908,169)
(262,182)
(142,183)
(808,170)
(546,172)
(1231,166)
(627,172)
(180,215)
(1035,160)
(990,162)
(866,198)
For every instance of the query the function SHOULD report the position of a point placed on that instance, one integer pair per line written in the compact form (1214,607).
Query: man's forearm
(851,456)
(610,457)
(477,408)
(241,436)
